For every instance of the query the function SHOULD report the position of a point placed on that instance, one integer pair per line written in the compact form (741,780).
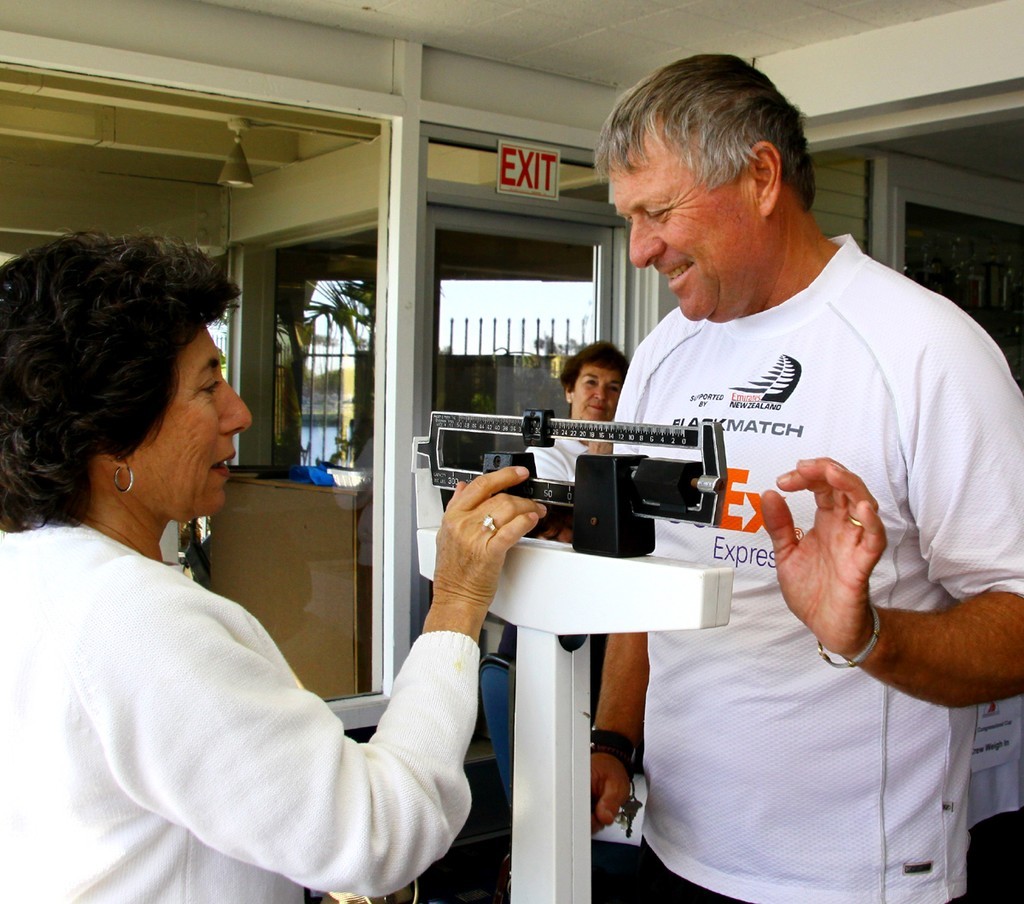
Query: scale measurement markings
(563,428)
(550,491)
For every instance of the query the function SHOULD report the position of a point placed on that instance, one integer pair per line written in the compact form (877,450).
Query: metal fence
(324,391)
(506,362)
(506,335)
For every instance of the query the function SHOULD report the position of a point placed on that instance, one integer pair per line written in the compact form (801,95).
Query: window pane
(324,317)
(314,595)
(509,310)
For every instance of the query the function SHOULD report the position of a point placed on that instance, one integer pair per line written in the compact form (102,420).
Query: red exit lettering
(528,170)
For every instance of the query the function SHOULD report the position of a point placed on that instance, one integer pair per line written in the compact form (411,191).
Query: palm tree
(349,305)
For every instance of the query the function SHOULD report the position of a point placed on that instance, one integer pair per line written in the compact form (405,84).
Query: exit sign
(526,169)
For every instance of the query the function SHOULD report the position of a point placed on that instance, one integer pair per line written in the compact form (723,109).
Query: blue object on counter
(310,474)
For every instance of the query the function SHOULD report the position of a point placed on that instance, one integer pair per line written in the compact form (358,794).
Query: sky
(516,299)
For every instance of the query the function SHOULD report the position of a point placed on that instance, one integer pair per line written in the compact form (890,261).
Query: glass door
(513,298)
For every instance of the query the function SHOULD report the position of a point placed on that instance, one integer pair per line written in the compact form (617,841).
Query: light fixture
(236,172)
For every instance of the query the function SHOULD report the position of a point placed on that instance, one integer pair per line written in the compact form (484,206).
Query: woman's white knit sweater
(159,749)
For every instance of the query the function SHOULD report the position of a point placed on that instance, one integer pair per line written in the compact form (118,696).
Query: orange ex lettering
(738,501)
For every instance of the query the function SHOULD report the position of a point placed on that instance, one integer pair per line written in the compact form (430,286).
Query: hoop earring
(131,478)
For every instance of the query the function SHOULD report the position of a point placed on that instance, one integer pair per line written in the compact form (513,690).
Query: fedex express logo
(742,513)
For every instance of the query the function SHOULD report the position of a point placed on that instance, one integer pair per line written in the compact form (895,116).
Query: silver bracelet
(862,655)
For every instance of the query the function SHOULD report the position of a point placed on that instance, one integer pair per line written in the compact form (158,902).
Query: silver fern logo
(771,389)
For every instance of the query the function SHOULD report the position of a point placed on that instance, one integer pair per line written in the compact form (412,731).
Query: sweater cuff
(434,697)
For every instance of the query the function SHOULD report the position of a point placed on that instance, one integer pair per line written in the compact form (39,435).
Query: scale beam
(646,487)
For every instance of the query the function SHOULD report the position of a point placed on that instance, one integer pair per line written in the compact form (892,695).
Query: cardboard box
(288,553)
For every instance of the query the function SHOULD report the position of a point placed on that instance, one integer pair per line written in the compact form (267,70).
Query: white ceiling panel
(538,33)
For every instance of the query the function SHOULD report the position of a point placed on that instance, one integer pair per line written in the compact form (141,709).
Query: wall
(230,51)
(41,201)
(108,35)
(841,199)
(333,193)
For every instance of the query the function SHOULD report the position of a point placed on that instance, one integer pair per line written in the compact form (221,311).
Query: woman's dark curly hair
(90,330)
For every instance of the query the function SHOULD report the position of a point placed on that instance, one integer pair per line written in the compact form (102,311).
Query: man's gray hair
(712,109)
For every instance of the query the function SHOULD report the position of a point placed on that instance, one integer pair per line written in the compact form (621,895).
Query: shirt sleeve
(962,431)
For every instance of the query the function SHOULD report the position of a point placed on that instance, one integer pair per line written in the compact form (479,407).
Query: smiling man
(772,776)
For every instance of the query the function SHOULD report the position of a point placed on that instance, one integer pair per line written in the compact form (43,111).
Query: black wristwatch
(614,744)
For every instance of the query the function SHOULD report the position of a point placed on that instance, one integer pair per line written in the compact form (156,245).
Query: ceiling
(611,42)
(616,42)
(50,120)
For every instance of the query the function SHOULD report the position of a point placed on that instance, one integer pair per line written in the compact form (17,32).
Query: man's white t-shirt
(774,778)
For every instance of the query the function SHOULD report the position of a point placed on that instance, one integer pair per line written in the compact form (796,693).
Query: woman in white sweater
(158,746)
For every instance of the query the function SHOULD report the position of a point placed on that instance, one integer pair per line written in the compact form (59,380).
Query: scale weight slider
(603,520)
(495,461)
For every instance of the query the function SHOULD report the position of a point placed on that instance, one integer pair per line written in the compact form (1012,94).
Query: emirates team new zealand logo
(770,390)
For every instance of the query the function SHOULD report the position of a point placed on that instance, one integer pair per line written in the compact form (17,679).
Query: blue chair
(497,688)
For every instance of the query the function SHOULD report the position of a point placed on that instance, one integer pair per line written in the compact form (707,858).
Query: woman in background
(159,747)
(592,380)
